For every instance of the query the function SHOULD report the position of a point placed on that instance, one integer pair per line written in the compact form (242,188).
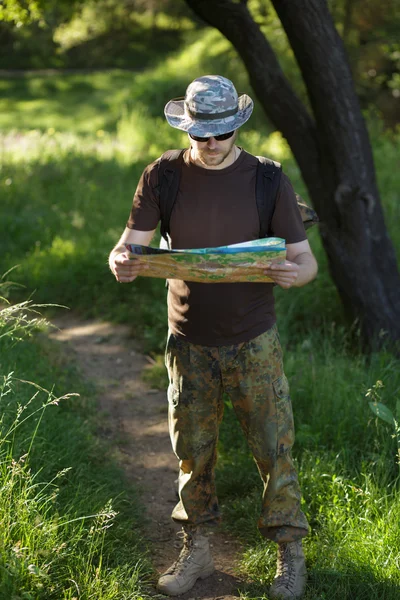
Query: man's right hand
(124,268)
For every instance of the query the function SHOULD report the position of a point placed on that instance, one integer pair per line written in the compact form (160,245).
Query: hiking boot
(194,562)
(291,575)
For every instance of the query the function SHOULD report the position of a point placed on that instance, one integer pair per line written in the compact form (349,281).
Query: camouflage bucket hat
(211,107)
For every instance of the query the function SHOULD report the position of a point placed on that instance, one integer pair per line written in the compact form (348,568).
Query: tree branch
(273,90)
(322,59)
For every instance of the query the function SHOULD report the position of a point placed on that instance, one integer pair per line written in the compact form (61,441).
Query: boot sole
(206,573)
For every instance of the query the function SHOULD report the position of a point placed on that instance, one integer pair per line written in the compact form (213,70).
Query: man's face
(213,152)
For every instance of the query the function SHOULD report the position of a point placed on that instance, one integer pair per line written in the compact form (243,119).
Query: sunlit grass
(70,525)
(348,470)
(80,103)
(84,103)
(352,551)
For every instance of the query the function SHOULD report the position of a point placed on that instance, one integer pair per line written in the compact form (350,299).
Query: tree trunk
(331,148)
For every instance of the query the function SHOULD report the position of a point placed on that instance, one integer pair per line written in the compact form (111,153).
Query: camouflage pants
(251,373)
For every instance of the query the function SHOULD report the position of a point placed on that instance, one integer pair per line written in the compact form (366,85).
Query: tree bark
(331,147)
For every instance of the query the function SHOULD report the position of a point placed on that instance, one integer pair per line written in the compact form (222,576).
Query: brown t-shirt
(217,208)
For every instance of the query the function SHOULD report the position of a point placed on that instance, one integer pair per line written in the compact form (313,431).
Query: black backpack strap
(169,176)
(268,179)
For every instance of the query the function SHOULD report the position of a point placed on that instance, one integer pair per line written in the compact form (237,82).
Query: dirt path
(136,424)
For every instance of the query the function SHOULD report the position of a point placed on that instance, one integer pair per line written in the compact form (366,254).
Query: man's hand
(284,273)
(124,268)
(299,268)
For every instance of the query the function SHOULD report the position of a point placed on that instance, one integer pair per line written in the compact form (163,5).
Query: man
(223,337)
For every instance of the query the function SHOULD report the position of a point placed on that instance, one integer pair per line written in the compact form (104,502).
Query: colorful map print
(224,264)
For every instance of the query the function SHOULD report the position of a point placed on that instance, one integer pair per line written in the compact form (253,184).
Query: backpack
(267,184)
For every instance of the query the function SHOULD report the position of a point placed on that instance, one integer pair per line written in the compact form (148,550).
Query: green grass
(88,102)
(80,103)
(348,468)
(63,213)
(71,525)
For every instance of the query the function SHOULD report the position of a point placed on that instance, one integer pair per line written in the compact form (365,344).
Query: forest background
(82,90)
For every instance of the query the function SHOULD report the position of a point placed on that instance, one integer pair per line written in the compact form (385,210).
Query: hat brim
(176,116)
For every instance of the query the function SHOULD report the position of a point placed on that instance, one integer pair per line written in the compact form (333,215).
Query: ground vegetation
(72,147)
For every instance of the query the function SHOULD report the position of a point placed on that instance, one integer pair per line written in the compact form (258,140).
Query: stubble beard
(211,158)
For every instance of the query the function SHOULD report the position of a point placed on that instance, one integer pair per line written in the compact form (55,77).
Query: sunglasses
(219,138)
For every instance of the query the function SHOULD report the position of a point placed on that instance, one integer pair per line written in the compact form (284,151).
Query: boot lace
(185,555)
(286,572)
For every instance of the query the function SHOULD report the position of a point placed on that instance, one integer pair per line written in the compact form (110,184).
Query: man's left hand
(284,274)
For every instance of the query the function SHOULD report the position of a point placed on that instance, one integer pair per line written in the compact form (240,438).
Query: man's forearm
(308,268)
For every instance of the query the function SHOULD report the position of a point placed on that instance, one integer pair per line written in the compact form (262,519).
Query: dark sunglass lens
(224,136)
(197,138)
(220,138)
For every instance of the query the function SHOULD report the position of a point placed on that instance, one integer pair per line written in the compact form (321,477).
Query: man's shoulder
(249,158)
(171,154)
(285,184)
(256,160)
(151,170)
(165,156)
(285,180)
(269,161)
(153,166)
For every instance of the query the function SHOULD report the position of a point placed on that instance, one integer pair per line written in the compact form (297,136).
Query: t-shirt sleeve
(145,211)
(286,220)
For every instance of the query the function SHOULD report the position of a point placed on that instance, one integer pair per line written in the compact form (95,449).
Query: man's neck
(227,162)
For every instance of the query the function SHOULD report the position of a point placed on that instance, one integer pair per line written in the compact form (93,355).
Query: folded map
(224,264)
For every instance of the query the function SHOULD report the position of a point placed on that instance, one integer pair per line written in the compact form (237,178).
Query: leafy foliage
(135,33)
(25,12)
